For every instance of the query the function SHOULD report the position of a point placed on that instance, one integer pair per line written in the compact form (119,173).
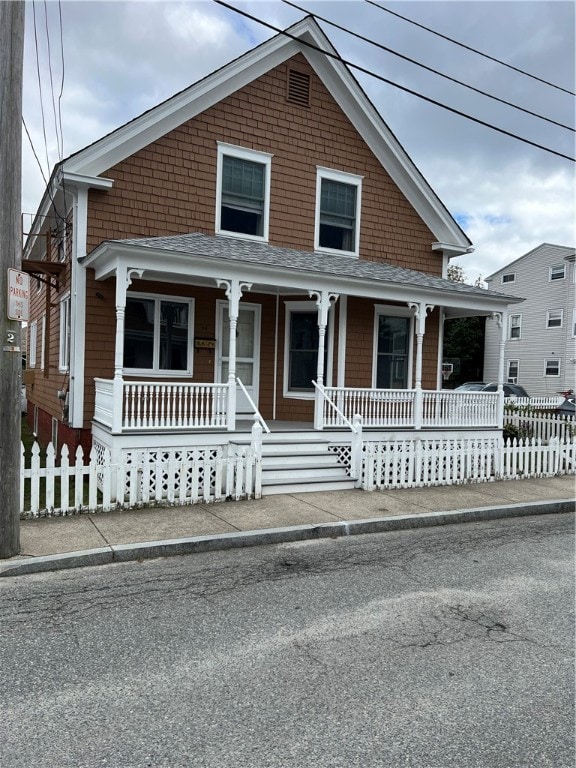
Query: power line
(40,84)
(33,150)
(51,79)
(469,48)
(429,69)
(392,83)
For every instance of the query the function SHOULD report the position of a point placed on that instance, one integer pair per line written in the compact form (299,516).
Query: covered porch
(319,378)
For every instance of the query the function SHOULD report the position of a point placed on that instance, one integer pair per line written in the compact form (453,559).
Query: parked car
(510,390)
(568,407)
(471,386)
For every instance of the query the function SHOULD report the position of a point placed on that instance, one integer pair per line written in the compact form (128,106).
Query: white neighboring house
(540,347)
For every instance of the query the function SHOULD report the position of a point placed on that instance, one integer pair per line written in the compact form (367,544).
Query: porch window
(392,351)
(303,351)
(243,192)
(512,376)
(337,211)
(157,334)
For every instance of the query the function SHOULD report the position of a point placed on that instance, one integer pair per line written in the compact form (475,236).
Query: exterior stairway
(300,466)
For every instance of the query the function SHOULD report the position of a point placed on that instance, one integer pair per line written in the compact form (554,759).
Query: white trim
(78,307)
(220,329)
(519,326)
(32,344)
(574,323)
(556,268)
(558,314)
(552,360)
(158,298)
(342,177)
(508,377)
(342,332)
(306,306)
(43,342)
(386,310)
(253,156)
(65,335)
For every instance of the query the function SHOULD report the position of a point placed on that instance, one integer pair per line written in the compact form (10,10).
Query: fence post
(356,446)
(555,447)
(256,445)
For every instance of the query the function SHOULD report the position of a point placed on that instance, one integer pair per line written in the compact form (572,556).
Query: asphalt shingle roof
(290,259)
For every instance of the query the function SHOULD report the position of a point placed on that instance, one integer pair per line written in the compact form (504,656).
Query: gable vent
(298,88)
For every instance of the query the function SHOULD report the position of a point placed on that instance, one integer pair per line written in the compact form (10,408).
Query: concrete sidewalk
(64,542)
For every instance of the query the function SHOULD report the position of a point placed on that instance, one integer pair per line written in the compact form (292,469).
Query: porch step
(293,465)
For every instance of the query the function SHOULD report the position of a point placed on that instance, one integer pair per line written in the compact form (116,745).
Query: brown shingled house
(257,246)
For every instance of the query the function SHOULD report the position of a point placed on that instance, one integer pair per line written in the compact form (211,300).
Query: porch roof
(263,259)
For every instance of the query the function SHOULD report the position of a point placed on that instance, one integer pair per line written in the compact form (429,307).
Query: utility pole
(11,74)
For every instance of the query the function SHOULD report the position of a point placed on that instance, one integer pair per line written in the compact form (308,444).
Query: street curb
(122,553)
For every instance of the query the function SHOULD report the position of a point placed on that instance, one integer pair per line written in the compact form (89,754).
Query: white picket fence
(417,463)
(539,426)
(139,478)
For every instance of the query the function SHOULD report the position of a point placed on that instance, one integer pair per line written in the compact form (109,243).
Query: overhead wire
(365,71)
(48,47)
(427,68)
(469,48)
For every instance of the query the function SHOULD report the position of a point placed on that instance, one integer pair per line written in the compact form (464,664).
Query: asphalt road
(433,648)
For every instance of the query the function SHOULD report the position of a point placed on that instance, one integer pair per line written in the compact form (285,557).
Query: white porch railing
(402,408)
(149,405)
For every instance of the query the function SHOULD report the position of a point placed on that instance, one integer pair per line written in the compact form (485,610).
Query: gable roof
(545,251)
(308,39)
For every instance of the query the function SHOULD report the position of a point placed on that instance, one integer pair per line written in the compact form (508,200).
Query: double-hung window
(512,375)
(243,192)
(158,334)
(392,348)
(301,349)
(64,344)
(554,318)
(338,197)
(515,327)
(552,368)
(558,272)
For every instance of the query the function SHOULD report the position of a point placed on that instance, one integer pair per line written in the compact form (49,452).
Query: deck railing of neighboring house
(149,405)
(408,408)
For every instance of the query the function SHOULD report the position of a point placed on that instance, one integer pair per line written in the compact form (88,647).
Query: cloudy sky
(91,66)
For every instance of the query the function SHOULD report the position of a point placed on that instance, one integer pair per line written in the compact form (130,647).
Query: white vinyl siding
(539,341)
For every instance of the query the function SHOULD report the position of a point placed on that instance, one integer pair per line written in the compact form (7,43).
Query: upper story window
(509,278)
(243,192)
(554,318)
(515,327)
(558,272)
(338,197)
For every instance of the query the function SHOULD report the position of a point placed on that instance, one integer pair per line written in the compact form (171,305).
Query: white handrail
(333,404)
(253,404)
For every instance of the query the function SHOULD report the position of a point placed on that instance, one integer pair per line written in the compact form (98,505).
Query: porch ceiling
(200,259)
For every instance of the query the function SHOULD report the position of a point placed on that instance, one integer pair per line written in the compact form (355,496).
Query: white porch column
(420,311)
(324,300)
(123,280)
(501,319)
(233,289)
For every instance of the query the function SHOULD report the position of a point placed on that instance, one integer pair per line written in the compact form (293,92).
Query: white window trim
(508,377)
(510,337)
(549,313)
(43,342)
(32,344)
(557,267)
(157,372)
(552,360)
(345,178)
(512,275)
(65,334)
(306,306)
(254,156)
(384,309)
(574,323)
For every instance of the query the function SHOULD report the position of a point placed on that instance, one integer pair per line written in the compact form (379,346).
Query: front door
(247,352)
